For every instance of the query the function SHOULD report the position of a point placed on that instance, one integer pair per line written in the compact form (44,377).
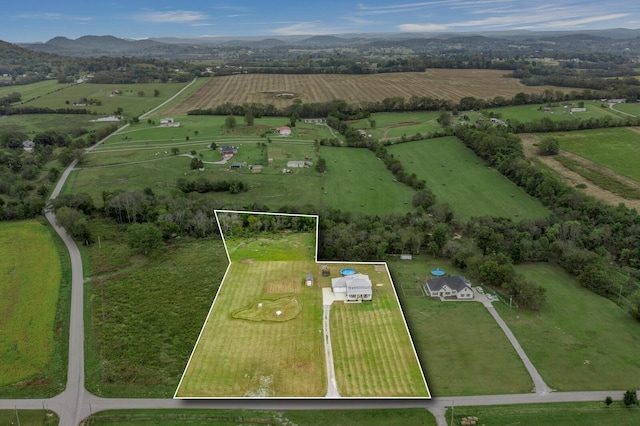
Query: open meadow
(104,99)
(393,125)
(457,177)
(462,349)
(617,149)
(372,348)
(565,413)
(630,108)
(452,84)
(29,294)
(28,418)
(33,90)
(143,314)
(598,340)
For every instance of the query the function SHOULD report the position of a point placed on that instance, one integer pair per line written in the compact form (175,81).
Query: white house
(28,145)
(457,287)
(284,131)
(308,280)
(356,287)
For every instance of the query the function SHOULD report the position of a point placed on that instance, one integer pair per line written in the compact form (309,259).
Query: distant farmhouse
(456,287)
(284,131)
(228,151)
(28,145)
(169,122)
(298,164)
(356,287)
(316,121)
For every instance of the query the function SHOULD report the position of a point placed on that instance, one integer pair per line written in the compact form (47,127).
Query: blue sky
(40,20)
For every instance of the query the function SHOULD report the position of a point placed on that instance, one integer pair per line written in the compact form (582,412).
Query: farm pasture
(598,340)
(127,98)
(32,90)
(453,84)
(527,113)
(457,177)
(617,149)
(630,108)
(392,125)
(29,292)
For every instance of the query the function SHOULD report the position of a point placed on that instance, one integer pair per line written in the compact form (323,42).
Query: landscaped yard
(598,341)
(461,348)
(30,289)
(459,178)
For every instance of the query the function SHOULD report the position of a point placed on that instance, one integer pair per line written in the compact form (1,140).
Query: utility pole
(453,403)
(17,416)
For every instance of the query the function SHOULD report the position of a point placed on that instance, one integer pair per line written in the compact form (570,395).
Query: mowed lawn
(617,149)
(462,349)
(357,181)
(373,353)
(244,358)
(578,340)
(29,288)
(457,177)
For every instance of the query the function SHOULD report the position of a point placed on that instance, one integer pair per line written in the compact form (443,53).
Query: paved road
(75,403)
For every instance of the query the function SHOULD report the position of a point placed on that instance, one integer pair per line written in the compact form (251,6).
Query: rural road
(332,387)
(75,403)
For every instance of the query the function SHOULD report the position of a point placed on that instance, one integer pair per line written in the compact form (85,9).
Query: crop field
(29,292)
(144,313)
(464,359)
(566,413)
(236,357)
(392,125)
(372,349)
(598,339)
(457,177)
(526,113)
(451,84)
(128,98)
(617,149)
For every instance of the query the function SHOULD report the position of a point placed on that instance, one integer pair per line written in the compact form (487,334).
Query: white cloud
(305,28)
(172,16)
(55,17)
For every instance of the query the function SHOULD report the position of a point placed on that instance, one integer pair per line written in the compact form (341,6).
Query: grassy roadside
(377,417)
(28,417)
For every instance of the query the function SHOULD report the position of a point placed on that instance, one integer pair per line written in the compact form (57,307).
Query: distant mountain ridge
(192,47)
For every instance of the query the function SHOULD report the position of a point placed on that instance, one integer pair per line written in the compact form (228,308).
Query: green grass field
(372,351)
(617,149)
(297,246)
(334,417)
(630,108)
(30,288)
(526,113)
(143,314)
(236,358)
(598,341)
(142,157)
(32,124)
(28,418)
(459,178)
(33,90)
(566,414)
(128,98)
(467,357)
(392,125)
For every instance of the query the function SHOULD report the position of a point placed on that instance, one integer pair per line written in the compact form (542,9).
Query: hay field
(372,349)
(451,84)
(31,276)
(243,358)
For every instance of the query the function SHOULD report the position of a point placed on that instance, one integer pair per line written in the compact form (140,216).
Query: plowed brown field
(453,84)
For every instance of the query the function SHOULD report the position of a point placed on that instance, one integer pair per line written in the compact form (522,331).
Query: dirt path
(529,142)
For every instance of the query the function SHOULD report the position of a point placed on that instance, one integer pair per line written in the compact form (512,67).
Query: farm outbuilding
(284,131)
(308,280)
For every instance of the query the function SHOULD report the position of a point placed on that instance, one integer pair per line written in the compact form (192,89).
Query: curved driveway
(75,403)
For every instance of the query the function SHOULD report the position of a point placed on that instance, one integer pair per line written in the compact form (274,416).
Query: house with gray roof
(456,287)
(356,287)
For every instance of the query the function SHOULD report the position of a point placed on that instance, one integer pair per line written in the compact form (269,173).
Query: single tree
(630,398)
(230,122)
(156,92)
(608,400)
(549,146)
(248,119)
(175,150)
